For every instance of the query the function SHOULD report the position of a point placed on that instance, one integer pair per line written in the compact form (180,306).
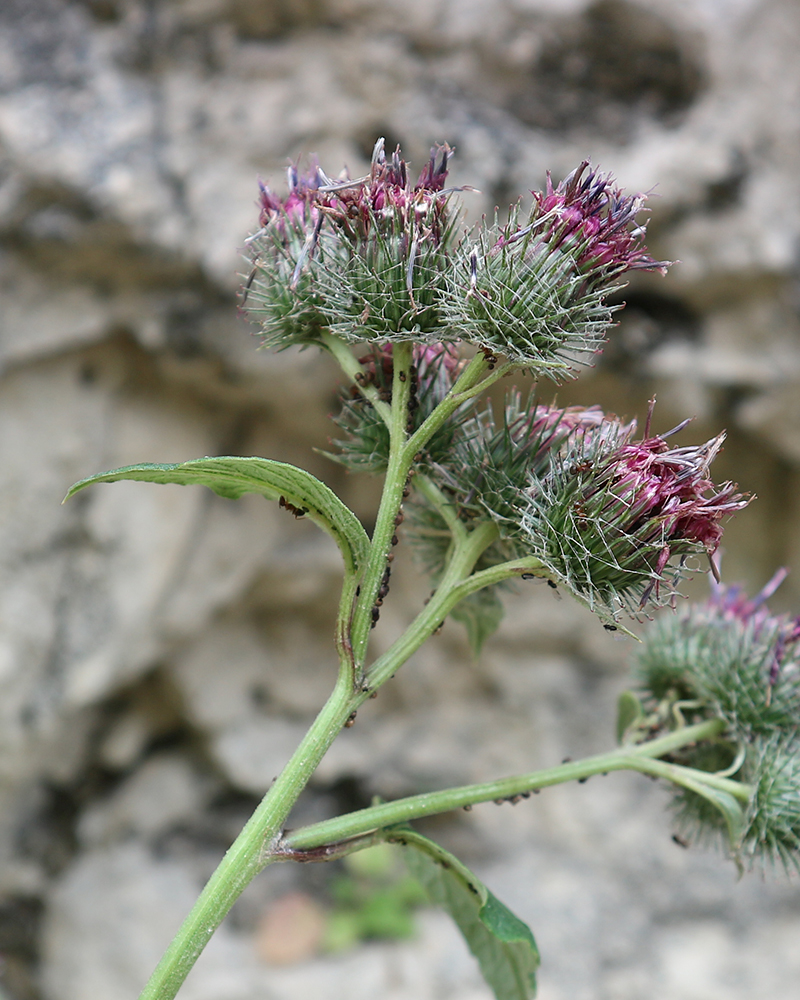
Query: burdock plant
(423,316)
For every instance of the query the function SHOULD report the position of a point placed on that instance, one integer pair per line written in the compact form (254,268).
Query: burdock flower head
(395,239)
(612,515)
(731,656)
(537,291)
(279,291)
(494,456)
(363,258)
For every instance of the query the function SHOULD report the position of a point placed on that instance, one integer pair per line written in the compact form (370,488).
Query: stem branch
(639,757)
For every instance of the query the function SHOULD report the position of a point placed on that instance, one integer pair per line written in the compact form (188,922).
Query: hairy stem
(253,848)
(397,471)
(450,591)
(639,758)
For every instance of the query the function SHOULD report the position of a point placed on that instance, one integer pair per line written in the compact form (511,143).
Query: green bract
(723,664)
(281,293)
(526,301)
(770,831)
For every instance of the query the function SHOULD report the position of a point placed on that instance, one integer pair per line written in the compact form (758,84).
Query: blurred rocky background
(162,649)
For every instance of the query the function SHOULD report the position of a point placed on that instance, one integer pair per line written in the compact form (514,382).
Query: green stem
(444,507)
(397,470)
(453,587)
(253,849)
(341,352)
(638,758)
(468,384)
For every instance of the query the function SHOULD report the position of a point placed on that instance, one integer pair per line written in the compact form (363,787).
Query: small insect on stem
(297,511)
(490,357)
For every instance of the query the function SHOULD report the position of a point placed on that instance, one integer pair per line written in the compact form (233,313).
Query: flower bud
(730,657)
(773,821)
(537,292)
(363,258)
(611,515)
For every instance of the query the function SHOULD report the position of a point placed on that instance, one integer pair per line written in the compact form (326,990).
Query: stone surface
(162,649)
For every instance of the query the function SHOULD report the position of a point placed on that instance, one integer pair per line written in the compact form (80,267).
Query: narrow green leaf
(231,477)
(501,942)
(481,614)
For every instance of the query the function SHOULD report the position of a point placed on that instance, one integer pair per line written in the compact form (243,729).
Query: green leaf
(501,942)
(231,477)
(629,713)
(481,614)
(731,810)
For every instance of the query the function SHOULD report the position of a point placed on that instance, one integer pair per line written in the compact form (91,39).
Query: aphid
(402,376)
(528,576)
(609,628)
(297,511)
(350,720)
(467,808)
(680,841)
(552,585)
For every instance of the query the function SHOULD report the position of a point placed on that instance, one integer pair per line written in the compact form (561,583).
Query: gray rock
(131,136)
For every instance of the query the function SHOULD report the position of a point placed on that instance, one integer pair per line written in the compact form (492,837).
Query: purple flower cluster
(590,217)
(731,604)
(384,201)
(611,513)
(669,490)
